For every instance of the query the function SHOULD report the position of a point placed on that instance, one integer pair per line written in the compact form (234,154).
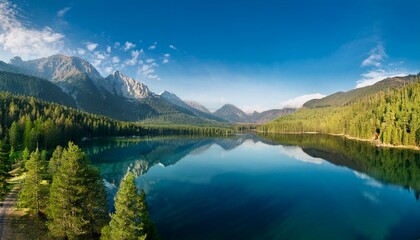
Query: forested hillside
(389,117)
(28,122)
(20,84)
(343,98)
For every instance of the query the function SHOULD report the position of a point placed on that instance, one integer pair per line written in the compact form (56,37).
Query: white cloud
(377,71)
(166,57)
(128,46)
(115,59)
(63,11)
(117,44)
(251,108)
(17,38)
(376,75)
(81,51)
(109,70)
(298,154)
(298,102)
(134,57)
(108,49)
(153,46)
(150,60)
(376,56)
(91,46)
(173,47)
(147,71)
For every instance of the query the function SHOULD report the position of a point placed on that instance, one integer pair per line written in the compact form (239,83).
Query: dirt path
(6,213)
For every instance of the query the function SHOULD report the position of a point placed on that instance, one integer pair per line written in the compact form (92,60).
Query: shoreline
(375,143)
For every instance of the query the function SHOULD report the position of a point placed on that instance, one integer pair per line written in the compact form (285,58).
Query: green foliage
(35,190)
(131,219)
(391,117)
(14,135)
(34,86)
(5,167)
(345,98)
(30,123)
(55,160)
(77,195)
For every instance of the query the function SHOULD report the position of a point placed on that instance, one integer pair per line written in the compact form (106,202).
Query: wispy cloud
(298,102)
(63,12)
(153,46)
(128,45)
(252,108)
(376,56)
(173,47)
(91,46)
(166,58)
(147,71)
(376,69)
(134,57)
(20,39)
(375,75)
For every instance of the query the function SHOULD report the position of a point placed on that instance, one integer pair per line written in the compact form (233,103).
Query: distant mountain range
(76,83)
(234,114)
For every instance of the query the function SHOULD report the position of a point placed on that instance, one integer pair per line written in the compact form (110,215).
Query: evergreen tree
(14,136)
(76,195)
(34,192)
(4,168)
(130,220)
(55,160)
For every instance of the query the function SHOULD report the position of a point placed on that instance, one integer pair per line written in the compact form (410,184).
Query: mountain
(124,86)
(20,84)
(197,106)
(58,67)
(387,117)
(116,96)
(174,99)
(270,115)
(232,113)
(343,98)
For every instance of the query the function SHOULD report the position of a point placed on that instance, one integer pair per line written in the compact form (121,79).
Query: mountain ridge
(343,98)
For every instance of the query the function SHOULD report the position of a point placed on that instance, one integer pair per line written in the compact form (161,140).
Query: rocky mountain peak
(119,84)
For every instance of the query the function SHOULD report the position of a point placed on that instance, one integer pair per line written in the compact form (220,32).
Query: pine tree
(76,195)
(130,220)
(4,168)
(14,136)
(34,192)
(55,160)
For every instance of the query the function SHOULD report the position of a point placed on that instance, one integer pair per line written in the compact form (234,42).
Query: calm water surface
(276,187)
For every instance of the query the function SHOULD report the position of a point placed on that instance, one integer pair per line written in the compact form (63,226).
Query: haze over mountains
(76,83)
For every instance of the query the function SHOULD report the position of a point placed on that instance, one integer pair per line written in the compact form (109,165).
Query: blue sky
(255,54)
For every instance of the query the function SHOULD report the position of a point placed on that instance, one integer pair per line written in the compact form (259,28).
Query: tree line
(389,117)
(27,122)
(72,195)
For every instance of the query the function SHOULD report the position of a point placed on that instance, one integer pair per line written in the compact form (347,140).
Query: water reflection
(400,167)
(387,165)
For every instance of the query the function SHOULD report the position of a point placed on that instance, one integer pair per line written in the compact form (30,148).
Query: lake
(268,187)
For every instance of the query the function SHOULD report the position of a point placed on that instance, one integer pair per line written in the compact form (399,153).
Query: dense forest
(388,117)
(27,122)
